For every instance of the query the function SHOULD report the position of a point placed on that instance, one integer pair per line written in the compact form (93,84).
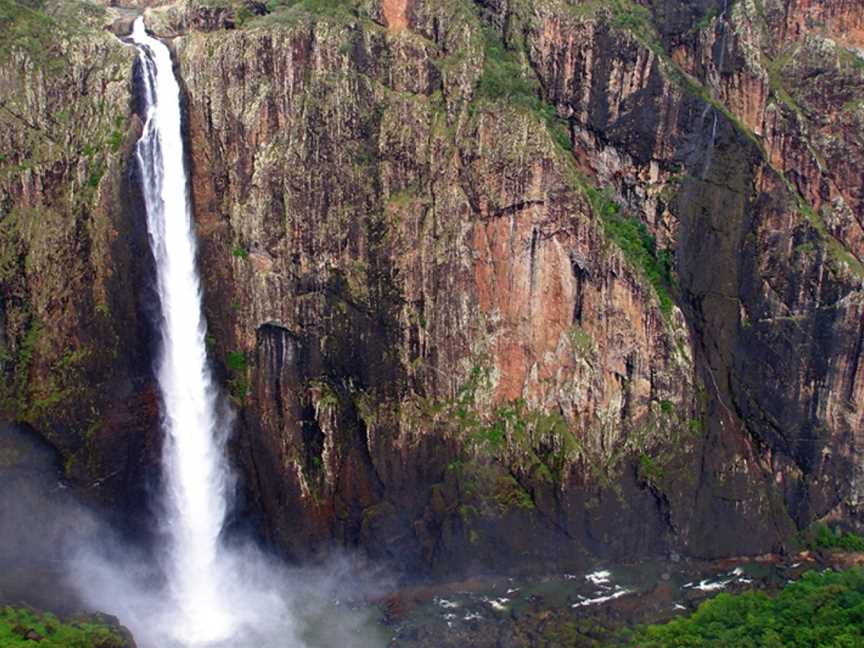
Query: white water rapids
(196,473)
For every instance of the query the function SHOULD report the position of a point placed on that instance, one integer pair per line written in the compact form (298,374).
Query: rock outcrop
(498,284)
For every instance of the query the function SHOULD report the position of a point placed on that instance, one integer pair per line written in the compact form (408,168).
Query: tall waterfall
(196,472)
(204,594)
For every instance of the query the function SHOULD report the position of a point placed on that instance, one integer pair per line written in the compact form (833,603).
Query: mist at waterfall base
(269,604)
(202,592)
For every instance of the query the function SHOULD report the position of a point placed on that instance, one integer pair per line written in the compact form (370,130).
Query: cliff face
(73,290)
(504,283)
(447,352)
(764,218)
(441,347)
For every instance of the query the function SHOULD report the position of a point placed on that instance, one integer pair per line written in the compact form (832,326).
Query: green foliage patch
(238,384)
(34,27)
(822,609)
(290,10)
(582,342)
(22,627)
(544,439)
(506,78)
(637,244)
(821,536)
(236,361)
(649,470)
(632,16)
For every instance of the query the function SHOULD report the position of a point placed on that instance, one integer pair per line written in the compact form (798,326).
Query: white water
(196,473)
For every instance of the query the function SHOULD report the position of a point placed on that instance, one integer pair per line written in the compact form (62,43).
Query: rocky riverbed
(586,608)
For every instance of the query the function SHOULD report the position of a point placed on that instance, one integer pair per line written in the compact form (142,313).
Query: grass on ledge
(506,78)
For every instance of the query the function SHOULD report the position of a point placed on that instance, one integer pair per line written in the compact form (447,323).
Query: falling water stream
(196,473)
(203,593)
(721,21)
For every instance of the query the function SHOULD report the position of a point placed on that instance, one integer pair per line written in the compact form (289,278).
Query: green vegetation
(236,361)
(28,346)
(238,384)
(15,395)
(490,490)
(316,6)
(240,252)
(24,28)
(325,395)
(515,421)
(775,68)
(540,445)
(625,15)
(649,470)
(235,5)
(638,21)
(632,17)
(636,242)
(582,342)
(238,389)
(504,75)
(507,78)
(38,38)
(822,609)
(22,627)
(34,27)
(543,442)
(821,536)
(705,21)
(835,248)
(289,10)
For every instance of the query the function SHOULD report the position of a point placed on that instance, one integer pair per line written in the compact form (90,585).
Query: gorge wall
(75,297)
(491,284)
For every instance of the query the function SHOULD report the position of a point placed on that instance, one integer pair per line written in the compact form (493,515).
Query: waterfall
(709,156)
(195,470)
(201,593)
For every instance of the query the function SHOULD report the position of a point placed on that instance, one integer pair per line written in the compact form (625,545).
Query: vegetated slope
(821,609)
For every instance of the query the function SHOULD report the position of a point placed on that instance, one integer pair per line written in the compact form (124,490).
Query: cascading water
(204,594)
(718,69)
(196,472)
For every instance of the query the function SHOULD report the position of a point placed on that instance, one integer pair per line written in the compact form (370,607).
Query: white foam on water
(447,605)
(600,577)
(709,586)
(618,593)
(498,604)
